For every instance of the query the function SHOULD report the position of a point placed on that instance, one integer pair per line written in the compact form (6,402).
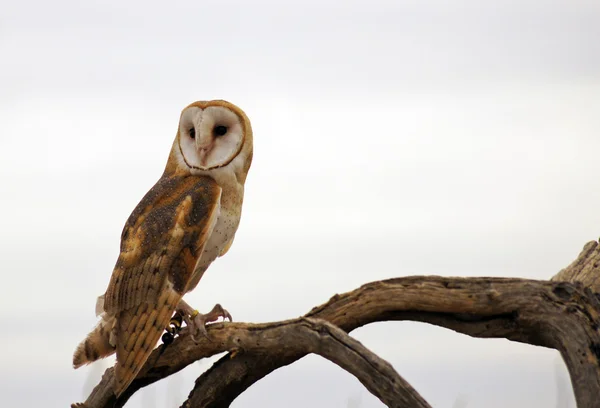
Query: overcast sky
(392,138)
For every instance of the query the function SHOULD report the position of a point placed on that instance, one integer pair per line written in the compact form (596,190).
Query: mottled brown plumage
(181,225)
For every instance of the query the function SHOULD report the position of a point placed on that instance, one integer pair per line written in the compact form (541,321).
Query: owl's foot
(197,321)
(200,320)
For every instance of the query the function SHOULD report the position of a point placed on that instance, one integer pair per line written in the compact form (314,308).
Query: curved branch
(299,336)
(559,315)
(307,335)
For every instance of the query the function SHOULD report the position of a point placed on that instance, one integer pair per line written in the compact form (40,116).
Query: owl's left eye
(220,130)
(193,133)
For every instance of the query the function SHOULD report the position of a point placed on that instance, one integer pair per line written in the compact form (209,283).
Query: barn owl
(186,220)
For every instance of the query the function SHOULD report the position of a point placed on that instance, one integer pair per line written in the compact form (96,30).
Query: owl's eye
(193,133)
(220,130)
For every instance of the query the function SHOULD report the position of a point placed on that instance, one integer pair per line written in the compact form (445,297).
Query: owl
(186,220)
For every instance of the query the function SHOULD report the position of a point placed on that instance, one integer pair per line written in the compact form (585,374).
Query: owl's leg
(197,321)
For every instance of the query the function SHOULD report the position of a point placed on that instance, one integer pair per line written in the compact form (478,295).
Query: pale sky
(392,138)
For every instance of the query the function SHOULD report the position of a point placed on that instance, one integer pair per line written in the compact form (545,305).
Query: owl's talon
(202,330)
(197,321)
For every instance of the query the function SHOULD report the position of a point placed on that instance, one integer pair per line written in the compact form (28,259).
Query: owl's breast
(222,234)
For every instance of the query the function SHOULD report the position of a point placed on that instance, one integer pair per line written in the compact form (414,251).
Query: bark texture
(563,314)
(585,269)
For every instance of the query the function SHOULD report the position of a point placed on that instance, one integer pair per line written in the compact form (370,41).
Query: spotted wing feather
(161,243)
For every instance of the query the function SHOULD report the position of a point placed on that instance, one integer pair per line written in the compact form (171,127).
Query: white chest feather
(222,233)
(228,218)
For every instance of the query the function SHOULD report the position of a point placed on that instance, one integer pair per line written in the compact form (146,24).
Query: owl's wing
(161,243)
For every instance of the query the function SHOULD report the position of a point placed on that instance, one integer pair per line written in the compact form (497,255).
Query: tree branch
(584,269)
(560,315)
(302,335)
(307,335)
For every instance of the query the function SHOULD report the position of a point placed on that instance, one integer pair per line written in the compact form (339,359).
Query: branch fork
(563,313)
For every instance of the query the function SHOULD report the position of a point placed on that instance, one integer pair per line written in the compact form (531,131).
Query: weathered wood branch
(585,269)
(564,315)
(307,335)
(302,335)
(558,315)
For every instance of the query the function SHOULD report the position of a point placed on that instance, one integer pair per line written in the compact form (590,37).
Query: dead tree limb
(307,335)
(564,315)
(291,337)
(585,269)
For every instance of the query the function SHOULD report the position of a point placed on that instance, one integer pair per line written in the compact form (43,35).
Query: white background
(392,138)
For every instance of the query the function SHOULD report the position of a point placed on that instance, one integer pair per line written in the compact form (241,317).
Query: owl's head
(213,137)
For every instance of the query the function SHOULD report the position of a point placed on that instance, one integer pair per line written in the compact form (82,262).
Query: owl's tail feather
(98,344)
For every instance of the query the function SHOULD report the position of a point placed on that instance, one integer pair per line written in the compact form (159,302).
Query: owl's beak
(204,143)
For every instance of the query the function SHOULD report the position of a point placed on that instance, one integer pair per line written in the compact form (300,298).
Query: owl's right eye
(193,133)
